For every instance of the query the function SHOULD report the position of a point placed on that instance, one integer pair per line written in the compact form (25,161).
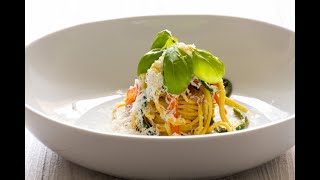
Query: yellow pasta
(233,103)
(208,99)
(194,117)
(222,95)
(187,102)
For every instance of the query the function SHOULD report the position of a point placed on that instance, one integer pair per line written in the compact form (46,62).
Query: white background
(46,16)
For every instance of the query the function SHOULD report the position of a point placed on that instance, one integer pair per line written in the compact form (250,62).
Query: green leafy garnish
(161,39)
(206,66)
(176,71)
(244,119)
(148,59)
(171,41)
(178,66)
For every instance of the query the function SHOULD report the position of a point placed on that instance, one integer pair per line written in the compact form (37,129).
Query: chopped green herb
(244,119)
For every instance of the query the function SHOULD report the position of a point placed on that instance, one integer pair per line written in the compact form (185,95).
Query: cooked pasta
(164,102)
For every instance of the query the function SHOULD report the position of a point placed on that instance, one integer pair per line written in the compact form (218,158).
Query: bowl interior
(74,75)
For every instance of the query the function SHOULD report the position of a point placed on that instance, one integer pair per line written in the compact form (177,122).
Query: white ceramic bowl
(72,77)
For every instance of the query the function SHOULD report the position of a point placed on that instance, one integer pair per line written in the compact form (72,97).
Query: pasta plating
(179,89)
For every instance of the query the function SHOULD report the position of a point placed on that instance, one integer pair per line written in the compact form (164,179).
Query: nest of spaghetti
(180,90)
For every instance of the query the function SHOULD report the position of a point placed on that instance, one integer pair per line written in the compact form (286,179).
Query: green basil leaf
(176,71)
(206,66)
(161,39)
(148,59)
(171,41)
(187,58)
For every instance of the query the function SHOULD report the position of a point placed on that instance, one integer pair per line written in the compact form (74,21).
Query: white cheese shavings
(122,123)
(138,103)
(186,48)
(154,78)
(214,88)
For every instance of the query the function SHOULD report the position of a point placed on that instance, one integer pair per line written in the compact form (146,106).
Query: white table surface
(44,16)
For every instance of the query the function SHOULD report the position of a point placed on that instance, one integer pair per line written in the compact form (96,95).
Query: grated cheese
(186,48)
(154,79)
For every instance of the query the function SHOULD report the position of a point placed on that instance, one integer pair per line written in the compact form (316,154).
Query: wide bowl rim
(157,16)
(133,136)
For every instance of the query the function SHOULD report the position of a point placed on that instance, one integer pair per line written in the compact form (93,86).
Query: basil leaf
(187,58)
(176,71)
(161,39)
(148,59)
(170,41)
(206,66)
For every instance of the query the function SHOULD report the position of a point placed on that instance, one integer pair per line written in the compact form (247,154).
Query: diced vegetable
(245,121)
(131,95)
(174,105)
(238,113)
(175,129)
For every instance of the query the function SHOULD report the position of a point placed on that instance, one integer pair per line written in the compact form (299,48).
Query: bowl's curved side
(163,158)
